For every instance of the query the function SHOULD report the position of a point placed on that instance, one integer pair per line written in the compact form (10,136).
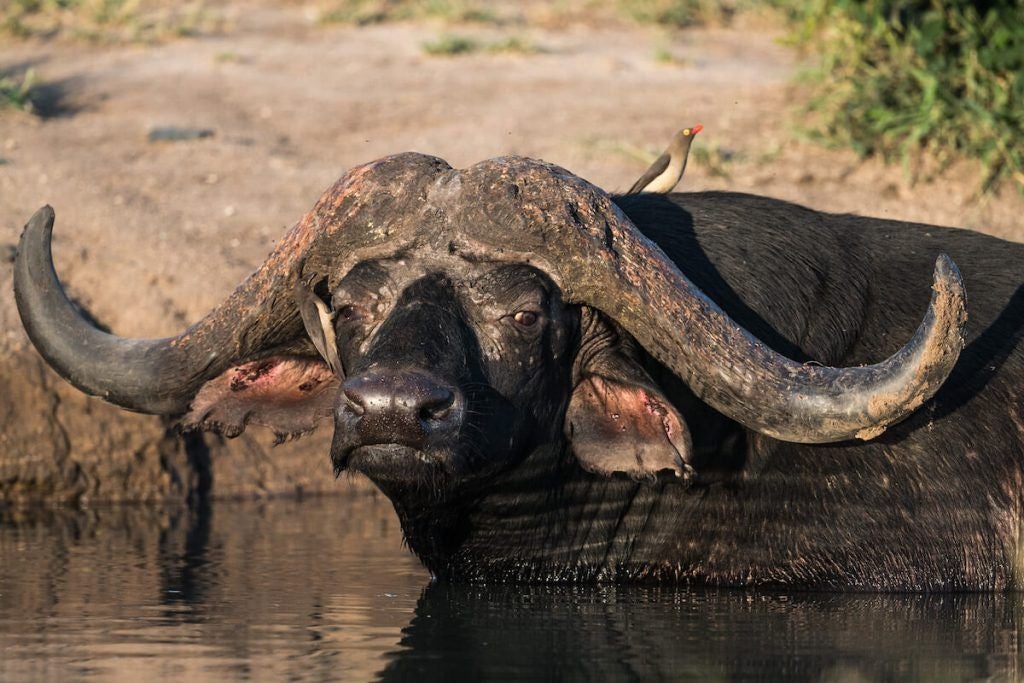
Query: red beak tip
(698,128)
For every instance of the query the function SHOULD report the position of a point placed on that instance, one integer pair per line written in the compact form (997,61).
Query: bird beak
(696,129)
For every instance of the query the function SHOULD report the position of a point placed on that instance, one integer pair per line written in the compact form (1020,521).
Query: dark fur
(933,504)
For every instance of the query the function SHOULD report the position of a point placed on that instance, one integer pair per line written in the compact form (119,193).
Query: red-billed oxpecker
(667,170)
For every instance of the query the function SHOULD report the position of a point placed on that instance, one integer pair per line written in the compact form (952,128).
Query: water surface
(323,589)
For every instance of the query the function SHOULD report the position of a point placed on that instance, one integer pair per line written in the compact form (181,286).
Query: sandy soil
(150,235)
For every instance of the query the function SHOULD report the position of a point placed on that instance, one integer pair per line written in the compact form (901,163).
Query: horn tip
(947,279)
(950,294)
(40,224)
(946,268)
(44,216)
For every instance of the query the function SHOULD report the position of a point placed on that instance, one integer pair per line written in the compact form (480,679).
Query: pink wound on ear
(657,409)
(288,394)
(284,378)
(626,428)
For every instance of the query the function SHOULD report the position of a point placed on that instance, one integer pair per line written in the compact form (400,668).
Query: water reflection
(284,589)
(322,589)
(619,633)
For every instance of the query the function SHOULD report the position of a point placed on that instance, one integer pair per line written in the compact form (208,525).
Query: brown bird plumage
(667,170)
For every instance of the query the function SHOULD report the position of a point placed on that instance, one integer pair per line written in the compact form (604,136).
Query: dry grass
(362,12)
(669,13)
(105,21)
(450,45)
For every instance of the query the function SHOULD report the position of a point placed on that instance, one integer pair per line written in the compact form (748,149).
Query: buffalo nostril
(354,402)
(437,405)
(406,408)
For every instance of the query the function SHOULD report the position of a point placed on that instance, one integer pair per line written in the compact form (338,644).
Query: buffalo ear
(618,421)
(289,394)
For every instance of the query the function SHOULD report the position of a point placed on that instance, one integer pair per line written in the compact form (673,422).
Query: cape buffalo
(552,384)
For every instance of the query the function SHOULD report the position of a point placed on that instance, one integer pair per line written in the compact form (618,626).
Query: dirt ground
(150,235)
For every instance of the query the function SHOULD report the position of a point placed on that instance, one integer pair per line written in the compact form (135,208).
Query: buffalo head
(456,323)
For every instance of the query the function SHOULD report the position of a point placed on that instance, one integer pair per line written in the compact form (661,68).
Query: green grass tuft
(449,45)
(364,12)
(714,159)
(680,13)
(920,81)
(513,45)
(16,93)
(228,57)
(664,54)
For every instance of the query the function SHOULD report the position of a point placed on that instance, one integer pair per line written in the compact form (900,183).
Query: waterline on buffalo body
(323,588)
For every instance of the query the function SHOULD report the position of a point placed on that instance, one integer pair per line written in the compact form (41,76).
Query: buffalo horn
(575,231)
(259,318)
(144,375)
(510,209)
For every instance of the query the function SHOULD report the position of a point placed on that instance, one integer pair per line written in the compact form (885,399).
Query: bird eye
(526,318)
(686,132)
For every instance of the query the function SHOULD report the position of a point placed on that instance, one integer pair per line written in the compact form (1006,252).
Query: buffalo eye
(350,313)
(526,319)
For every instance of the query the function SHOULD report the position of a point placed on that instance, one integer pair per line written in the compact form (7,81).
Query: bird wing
(656,169)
